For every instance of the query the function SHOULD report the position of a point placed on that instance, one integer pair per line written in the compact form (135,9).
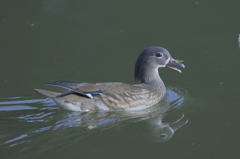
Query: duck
(117,96)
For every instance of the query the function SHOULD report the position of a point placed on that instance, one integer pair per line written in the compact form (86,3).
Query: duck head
(152,58)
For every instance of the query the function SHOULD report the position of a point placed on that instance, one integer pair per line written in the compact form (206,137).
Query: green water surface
(99,41)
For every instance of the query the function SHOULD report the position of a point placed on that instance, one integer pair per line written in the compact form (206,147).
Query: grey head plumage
(152,58)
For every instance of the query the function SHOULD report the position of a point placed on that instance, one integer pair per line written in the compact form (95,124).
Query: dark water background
(99,41)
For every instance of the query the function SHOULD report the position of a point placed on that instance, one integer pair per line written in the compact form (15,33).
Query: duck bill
(174,63)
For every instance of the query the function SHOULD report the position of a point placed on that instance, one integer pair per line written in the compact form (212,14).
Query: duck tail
(47,93)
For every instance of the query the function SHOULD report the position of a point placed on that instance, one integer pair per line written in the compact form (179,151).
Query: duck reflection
(157,131)
(148,120)
(52,123)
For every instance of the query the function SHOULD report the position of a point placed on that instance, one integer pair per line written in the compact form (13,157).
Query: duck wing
(83,89)
(91,89)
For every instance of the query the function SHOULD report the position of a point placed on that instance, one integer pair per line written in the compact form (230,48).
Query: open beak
(173,63)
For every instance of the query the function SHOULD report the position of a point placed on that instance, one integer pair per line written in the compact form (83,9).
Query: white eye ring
(159,55)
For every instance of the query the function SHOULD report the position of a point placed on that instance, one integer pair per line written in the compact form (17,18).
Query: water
(40,122)
(99,41)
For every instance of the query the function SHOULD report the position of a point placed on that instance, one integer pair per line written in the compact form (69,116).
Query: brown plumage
(119,96)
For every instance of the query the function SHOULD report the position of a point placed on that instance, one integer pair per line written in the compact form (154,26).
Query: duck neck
(151,77)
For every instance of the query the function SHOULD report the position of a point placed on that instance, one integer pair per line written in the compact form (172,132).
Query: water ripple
(15,107)
(17,138)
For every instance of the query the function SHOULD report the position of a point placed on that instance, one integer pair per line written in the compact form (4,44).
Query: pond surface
(99,41)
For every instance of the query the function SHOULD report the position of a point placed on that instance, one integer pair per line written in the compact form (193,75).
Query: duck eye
(158,54)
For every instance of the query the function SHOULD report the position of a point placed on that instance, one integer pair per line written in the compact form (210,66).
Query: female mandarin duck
(119,96)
